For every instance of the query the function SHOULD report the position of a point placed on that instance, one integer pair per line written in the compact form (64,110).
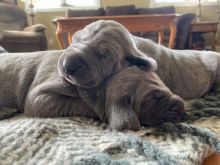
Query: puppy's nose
(73,65)
(176,111)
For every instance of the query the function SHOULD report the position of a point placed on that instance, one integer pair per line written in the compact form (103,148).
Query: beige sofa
(16,35)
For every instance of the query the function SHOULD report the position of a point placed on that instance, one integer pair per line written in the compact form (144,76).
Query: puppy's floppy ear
(141,60)
(121,116)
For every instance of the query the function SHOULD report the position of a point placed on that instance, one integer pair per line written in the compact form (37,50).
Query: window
(168,1)
(183,2)
(62,4)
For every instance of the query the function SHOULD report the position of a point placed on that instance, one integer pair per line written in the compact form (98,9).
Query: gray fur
(98,53)
(188,73)
(30,82)
(135,97)
(72,82)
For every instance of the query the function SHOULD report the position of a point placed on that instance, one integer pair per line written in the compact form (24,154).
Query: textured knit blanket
(82,141)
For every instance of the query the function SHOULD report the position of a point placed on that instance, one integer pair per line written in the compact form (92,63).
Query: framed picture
(12,2)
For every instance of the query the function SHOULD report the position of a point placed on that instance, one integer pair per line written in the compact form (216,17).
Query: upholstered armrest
(185,18)
(35,28)
(21,36)
(183,23)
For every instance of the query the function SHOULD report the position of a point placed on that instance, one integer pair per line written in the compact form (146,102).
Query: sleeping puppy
(97,52)
(135,97)
(30,83)
(188,73)
(44,84)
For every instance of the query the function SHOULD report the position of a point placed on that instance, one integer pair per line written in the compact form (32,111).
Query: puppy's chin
(88,81)
(161,108)
(82,84)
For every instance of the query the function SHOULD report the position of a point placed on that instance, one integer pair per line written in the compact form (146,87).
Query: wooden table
(134,23)
(204,27)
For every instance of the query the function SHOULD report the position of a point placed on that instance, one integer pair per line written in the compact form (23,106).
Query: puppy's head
(135,98)
(98,51)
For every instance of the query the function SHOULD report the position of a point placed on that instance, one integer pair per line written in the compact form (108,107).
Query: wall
(46,18)
(208,14)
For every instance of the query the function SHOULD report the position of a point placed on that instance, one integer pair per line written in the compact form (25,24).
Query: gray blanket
(81,141)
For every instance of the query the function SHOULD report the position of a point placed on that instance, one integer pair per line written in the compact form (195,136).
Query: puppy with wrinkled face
(93,57)
(43,84)
(135,97)
(30,83)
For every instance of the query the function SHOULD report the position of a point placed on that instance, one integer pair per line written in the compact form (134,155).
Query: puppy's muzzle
(73,65)
(161,107)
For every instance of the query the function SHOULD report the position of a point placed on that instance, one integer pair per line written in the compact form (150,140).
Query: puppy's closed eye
(104,53)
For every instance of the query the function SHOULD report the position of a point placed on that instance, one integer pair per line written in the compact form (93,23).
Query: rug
(81,141)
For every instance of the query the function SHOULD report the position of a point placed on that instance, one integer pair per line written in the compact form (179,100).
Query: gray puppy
(47,84)
(43,84)
(188,73)
(31,82)
(98,51)
(135,97)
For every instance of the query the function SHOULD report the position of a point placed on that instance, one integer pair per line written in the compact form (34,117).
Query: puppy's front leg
(58,86)
(54,100)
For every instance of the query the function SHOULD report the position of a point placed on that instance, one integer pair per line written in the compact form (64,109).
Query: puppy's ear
(121,116)
(141,60)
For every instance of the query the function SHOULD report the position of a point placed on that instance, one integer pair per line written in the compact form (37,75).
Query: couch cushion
(10,26)
(7,36)
(84,13)
(183,30)
(120,10)
(157,10)
(12,17)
